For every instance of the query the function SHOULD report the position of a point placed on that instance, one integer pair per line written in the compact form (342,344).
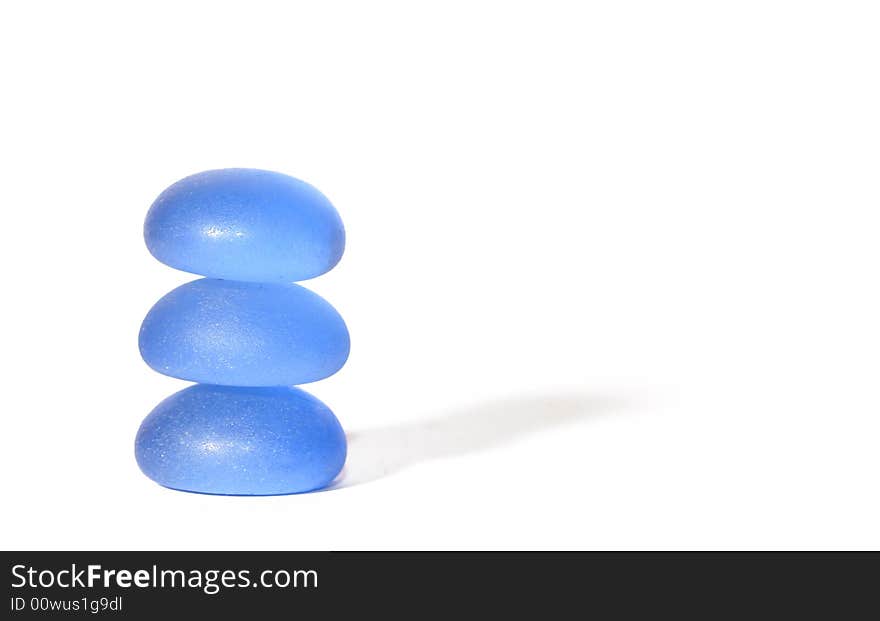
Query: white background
(611,276)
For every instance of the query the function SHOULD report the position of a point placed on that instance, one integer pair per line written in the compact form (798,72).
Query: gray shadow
(377,453)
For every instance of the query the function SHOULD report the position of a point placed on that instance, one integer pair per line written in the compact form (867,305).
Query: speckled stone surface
(241,441)
(245,224)
(244,334)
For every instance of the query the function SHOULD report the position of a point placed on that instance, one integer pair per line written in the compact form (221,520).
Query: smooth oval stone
(245,224)
(241,441)
(244,334)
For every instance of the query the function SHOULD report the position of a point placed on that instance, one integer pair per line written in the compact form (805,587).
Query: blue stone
(244,334)
(241,441)
(245,224)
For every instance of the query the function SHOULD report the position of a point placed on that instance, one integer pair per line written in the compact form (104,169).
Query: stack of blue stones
(246,334)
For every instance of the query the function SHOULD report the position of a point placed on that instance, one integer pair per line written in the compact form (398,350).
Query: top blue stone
(245,224)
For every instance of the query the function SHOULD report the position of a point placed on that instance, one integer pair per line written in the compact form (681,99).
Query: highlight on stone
(246,333)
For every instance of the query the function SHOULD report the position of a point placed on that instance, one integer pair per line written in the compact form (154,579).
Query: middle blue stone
(244,334)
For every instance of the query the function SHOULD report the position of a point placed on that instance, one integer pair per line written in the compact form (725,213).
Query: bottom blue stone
(241,441)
